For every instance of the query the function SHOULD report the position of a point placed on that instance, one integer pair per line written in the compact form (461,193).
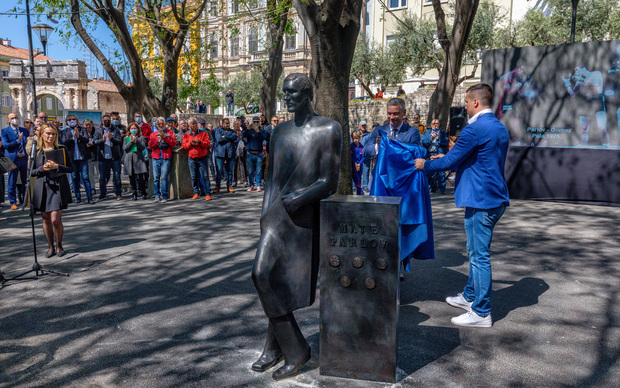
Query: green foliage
(373,64)
(596,20)
(246,87)
(420,49)
(208,90)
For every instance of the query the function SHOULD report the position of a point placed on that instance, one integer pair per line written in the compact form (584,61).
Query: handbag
(6,164)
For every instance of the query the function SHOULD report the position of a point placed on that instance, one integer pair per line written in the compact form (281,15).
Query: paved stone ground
(161,296)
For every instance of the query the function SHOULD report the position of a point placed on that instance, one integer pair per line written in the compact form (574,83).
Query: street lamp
(43,32)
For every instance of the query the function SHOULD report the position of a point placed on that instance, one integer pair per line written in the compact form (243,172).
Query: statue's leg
(271,354)
(293,344)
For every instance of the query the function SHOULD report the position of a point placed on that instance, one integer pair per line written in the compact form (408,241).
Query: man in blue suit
(436,142)
(478,157)
(225,151)
(14,140)
(395,129)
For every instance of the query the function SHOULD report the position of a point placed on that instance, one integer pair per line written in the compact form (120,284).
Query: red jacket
(199,150)
(146,129)
(154,144)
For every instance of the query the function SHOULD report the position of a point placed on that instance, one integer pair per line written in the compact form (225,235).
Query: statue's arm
(329,165)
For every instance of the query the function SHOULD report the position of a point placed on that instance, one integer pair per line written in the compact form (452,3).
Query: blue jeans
(365,173)
(231,108)
(212,167)
(199,171)
(479,224)
(15,190)
(104,176)
(225,168)
(161,170)
(255,168)
(80,172)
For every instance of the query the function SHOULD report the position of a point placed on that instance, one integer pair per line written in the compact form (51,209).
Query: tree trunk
(333,27)
(170,83)
(441,100)
(273,68)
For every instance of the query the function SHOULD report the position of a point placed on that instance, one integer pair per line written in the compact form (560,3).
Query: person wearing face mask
(144,127)
(108,140)
(134,163)
(14,139)
(116,121)
(74,137)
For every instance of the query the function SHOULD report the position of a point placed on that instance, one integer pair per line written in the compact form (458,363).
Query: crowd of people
(231,152)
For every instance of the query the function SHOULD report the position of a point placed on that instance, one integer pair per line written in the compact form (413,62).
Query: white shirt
(475,117)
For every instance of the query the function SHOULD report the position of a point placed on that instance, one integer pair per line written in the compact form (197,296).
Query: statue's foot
(289,370)
(266,361)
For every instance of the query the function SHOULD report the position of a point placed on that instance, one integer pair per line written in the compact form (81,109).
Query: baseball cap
(171,119)
(362,122)
(255,118)
(201,121)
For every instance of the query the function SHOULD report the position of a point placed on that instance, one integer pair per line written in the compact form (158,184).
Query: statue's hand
(290,204)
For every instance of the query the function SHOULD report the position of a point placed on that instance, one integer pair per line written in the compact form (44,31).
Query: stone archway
(44,106)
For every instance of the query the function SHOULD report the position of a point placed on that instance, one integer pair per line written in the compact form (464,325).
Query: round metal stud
(334,261)
(381,263)
(370,283)
(345,281)
(358,262)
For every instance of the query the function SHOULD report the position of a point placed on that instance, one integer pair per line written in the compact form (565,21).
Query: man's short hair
(225,120)
(399,102)
(304,82)
(191,119)
(481,92)
(106,115)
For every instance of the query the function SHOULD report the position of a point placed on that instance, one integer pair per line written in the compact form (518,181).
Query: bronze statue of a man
(303,169)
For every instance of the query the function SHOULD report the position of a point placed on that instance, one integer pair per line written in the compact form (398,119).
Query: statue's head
(298,91)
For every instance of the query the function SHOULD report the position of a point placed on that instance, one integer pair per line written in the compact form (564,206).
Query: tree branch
(468,76)
(440,18)
(306,10)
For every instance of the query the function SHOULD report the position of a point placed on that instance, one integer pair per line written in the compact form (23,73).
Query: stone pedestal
(359,275)
(179,180)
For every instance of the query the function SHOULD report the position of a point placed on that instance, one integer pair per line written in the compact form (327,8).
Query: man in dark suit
(108,141)
(14,140)
(75,138)
(478,157)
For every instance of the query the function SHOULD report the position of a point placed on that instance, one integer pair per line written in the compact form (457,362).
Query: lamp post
(34,89)
(43,32)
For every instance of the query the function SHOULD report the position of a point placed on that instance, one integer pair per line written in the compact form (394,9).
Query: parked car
(361,98)
(251,110)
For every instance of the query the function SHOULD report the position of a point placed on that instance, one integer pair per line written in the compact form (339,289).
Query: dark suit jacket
(117,142)
(69,141)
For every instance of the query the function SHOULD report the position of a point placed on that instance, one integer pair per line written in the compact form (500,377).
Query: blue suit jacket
(478,157)
(10,141)
(406,134)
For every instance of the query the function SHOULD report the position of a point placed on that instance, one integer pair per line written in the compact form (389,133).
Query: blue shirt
(479,157)
(255,140)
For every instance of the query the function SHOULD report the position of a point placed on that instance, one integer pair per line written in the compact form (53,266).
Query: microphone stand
(36,267)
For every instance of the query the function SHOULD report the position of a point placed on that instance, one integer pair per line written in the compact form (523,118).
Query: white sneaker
(459,301)
(471,319)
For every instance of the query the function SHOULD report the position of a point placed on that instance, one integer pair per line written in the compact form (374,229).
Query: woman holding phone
(52,192)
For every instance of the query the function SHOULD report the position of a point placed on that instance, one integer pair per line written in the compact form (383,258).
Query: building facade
(231,37)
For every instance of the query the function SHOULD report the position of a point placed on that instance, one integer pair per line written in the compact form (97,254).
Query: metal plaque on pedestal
(359,277)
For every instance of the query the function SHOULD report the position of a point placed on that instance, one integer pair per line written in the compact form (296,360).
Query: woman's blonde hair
(40,135)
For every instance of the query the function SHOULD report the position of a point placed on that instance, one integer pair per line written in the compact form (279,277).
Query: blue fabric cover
(395,175)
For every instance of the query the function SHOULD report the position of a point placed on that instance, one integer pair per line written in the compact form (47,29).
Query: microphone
(33,151)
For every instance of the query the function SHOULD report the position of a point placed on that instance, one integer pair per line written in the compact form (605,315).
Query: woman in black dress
(52,192)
